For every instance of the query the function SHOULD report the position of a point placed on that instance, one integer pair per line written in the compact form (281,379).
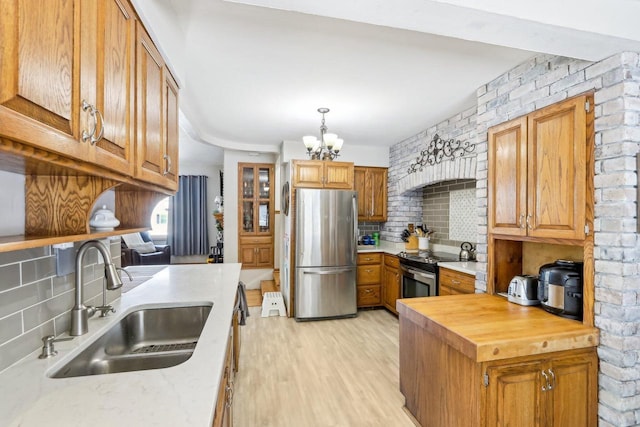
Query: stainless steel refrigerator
(326,249)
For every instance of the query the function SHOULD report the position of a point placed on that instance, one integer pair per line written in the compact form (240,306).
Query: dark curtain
(188,232)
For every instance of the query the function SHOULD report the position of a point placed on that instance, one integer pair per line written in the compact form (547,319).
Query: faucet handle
(105,309)
(47,346)
(125,272)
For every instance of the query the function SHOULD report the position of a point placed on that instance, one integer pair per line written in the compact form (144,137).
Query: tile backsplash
(462,210)
(437,211)
(34,302)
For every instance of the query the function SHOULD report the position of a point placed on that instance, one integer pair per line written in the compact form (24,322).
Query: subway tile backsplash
(436,209)
(34,302)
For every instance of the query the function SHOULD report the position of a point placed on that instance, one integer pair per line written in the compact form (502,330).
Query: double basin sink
(149,338)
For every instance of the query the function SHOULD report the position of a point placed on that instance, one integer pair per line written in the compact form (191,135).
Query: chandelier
(325,148)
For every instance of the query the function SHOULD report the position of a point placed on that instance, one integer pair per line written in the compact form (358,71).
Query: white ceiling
(253,76)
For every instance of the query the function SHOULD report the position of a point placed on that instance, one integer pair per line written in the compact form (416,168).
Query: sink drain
(159,348)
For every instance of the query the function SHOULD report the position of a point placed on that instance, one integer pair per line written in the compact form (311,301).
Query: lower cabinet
(455,283)
(224,405)
(546,390)
(256,252)
(557,391)
(369,278)
(391,282)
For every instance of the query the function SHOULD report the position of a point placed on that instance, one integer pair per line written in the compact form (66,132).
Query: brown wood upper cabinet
(371,185)
(157,128)
(67,78)
(537,172)
(322,174)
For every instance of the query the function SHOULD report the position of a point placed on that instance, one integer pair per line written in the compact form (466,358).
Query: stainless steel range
(420,273)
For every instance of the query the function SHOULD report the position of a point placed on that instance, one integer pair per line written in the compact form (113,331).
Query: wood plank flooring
(324,373)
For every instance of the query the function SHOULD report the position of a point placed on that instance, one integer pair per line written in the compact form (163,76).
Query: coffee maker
(560,288)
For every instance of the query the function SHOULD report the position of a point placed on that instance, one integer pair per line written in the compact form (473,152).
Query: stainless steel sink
(144,339)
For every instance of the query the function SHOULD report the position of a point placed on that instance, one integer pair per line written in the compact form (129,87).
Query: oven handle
(419,273)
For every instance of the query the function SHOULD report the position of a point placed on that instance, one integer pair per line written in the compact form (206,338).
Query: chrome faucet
(80,313)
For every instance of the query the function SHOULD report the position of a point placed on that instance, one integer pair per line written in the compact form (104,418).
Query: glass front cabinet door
(255,214)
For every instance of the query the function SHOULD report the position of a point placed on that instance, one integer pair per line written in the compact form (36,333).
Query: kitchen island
(180,395)
(478,360)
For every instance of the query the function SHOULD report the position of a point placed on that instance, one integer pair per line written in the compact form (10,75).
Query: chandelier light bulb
(330,140)
(325,148)
(309,141)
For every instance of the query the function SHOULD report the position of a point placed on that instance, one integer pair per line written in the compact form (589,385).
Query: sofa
(139,249)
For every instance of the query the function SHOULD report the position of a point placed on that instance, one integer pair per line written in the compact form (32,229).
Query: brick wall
(544,80)
(407,206)
(541,81)
(34,302)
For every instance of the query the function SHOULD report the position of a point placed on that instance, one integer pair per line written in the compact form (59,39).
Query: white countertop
(180,395)
(385,247)
(469,267)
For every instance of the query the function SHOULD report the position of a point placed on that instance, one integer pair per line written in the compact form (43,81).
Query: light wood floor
(324,373)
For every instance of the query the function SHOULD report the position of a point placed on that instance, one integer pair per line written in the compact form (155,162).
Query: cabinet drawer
(369,295)
(254,240)
(368,275)
(370,258)
(446,290)
(392,261)
(459,283)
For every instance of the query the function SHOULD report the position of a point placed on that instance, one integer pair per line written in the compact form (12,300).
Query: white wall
(360,155)
(285,240)
(11,204)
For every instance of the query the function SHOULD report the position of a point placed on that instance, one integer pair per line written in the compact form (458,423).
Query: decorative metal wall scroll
(439,149)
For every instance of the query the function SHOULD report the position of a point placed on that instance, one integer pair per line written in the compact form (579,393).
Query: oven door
(417,283)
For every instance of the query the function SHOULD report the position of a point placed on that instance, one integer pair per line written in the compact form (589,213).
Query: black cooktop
(426,260)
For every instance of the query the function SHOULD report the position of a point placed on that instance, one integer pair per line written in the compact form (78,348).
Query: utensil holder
(423,243)
(412,244)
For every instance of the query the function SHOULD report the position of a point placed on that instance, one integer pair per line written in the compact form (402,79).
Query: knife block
(412,244)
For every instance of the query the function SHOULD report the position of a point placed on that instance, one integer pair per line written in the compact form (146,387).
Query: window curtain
(188,220)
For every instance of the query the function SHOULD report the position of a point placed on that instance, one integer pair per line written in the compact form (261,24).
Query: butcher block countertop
(487,327)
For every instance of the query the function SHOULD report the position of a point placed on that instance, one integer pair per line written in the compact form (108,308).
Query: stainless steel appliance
(326,250)
(420,273)
(523,290)
(560,288)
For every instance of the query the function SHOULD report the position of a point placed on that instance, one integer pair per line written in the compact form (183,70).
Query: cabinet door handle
(101,134)
(521,221)
(553,379)
(369,270)
(546,385)
(455,282)
(168,164)
(92,112)
(528,223)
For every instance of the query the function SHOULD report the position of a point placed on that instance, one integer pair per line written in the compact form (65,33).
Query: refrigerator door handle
(355,222)
(342,270)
